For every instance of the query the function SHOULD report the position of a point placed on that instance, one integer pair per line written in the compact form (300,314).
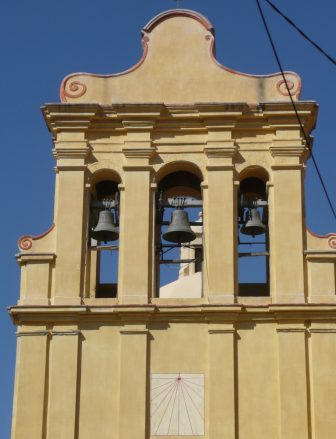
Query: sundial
(177,404)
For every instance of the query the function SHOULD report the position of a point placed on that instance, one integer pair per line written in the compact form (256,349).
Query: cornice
(221,152)
(205,313)
(320,255)
(215,115)
(75,117)
(70,153)
(288,151)
(24,258)
(26,242)
(178,13)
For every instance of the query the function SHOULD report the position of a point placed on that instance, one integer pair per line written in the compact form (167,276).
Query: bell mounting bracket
(108,204)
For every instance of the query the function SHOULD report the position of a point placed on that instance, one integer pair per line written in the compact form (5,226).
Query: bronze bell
(105,229)
(253,225)
(179,229)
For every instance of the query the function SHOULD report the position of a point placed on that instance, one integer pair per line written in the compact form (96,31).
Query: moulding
(287,151)
(70,167)
(178,13)
(316,235)
(31,333)
(140,117)
(134,331)
(138,125)
(323,255)
(24,258)
(131,152)
(220,168)
(222,331)
(61,333)
(130,168)
(145,314)
(70,153)
(322,330)
(26,241)
(223,151)
(289,329)
(284,167)
(75,86)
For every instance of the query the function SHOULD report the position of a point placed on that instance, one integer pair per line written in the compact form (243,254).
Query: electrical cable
(295,109)
(305,36)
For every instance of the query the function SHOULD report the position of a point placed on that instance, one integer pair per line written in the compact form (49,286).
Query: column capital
(70,155)
(142,151)
(282,149)
(220,155)
(225,150)
(69,120)
(291,327)
(137,125)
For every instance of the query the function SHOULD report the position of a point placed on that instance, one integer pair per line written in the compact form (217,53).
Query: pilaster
(136,228)
(133,407)
(222,416)
(323,385)
(220,225)
(63,382)
(30,384)
(70,220)
(287,223)
(293,380)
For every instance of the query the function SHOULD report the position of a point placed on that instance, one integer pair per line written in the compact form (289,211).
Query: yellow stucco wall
(86,365)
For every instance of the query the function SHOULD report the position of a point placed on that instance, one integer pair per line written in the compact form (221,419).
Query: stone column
(294,417)
(220,225)
(136,218)
(133,407)
(70,218)
(30,383)
(63,378)
(221,373)
(287,225)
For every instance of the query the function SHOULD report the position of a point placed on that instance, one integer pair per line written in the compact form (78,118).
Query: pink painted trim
(178,13)
(328,235)
(332,241)
(283,90)
(77,85)
(26,241)
(296,93)
(77,89)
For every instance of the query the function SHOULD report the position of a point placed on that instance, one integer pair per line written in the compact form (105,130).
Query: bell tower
(178,292)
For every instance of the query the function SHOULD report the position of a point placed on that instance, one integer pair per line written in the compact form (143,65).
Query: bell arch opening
(253,234)
(104,235)
(178,235)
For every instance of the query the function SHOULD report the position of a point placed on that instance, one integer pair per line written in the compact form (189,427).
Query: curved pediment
(178,66)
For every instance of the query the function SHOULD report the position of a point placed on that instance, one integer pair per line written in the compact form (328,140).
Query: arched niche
(182,276)
(103,257)
(253,250)
(187,173)
(104,183)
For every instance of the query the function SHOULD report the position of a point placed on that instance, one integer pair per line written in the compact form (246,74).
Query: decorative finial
(178,3)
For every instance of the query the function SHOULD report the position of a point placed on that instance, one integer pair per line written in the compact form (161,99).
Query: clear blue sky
(43,41)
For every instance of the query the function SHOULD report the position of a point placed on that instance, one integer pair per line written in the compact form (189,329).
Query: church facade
(125,352)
